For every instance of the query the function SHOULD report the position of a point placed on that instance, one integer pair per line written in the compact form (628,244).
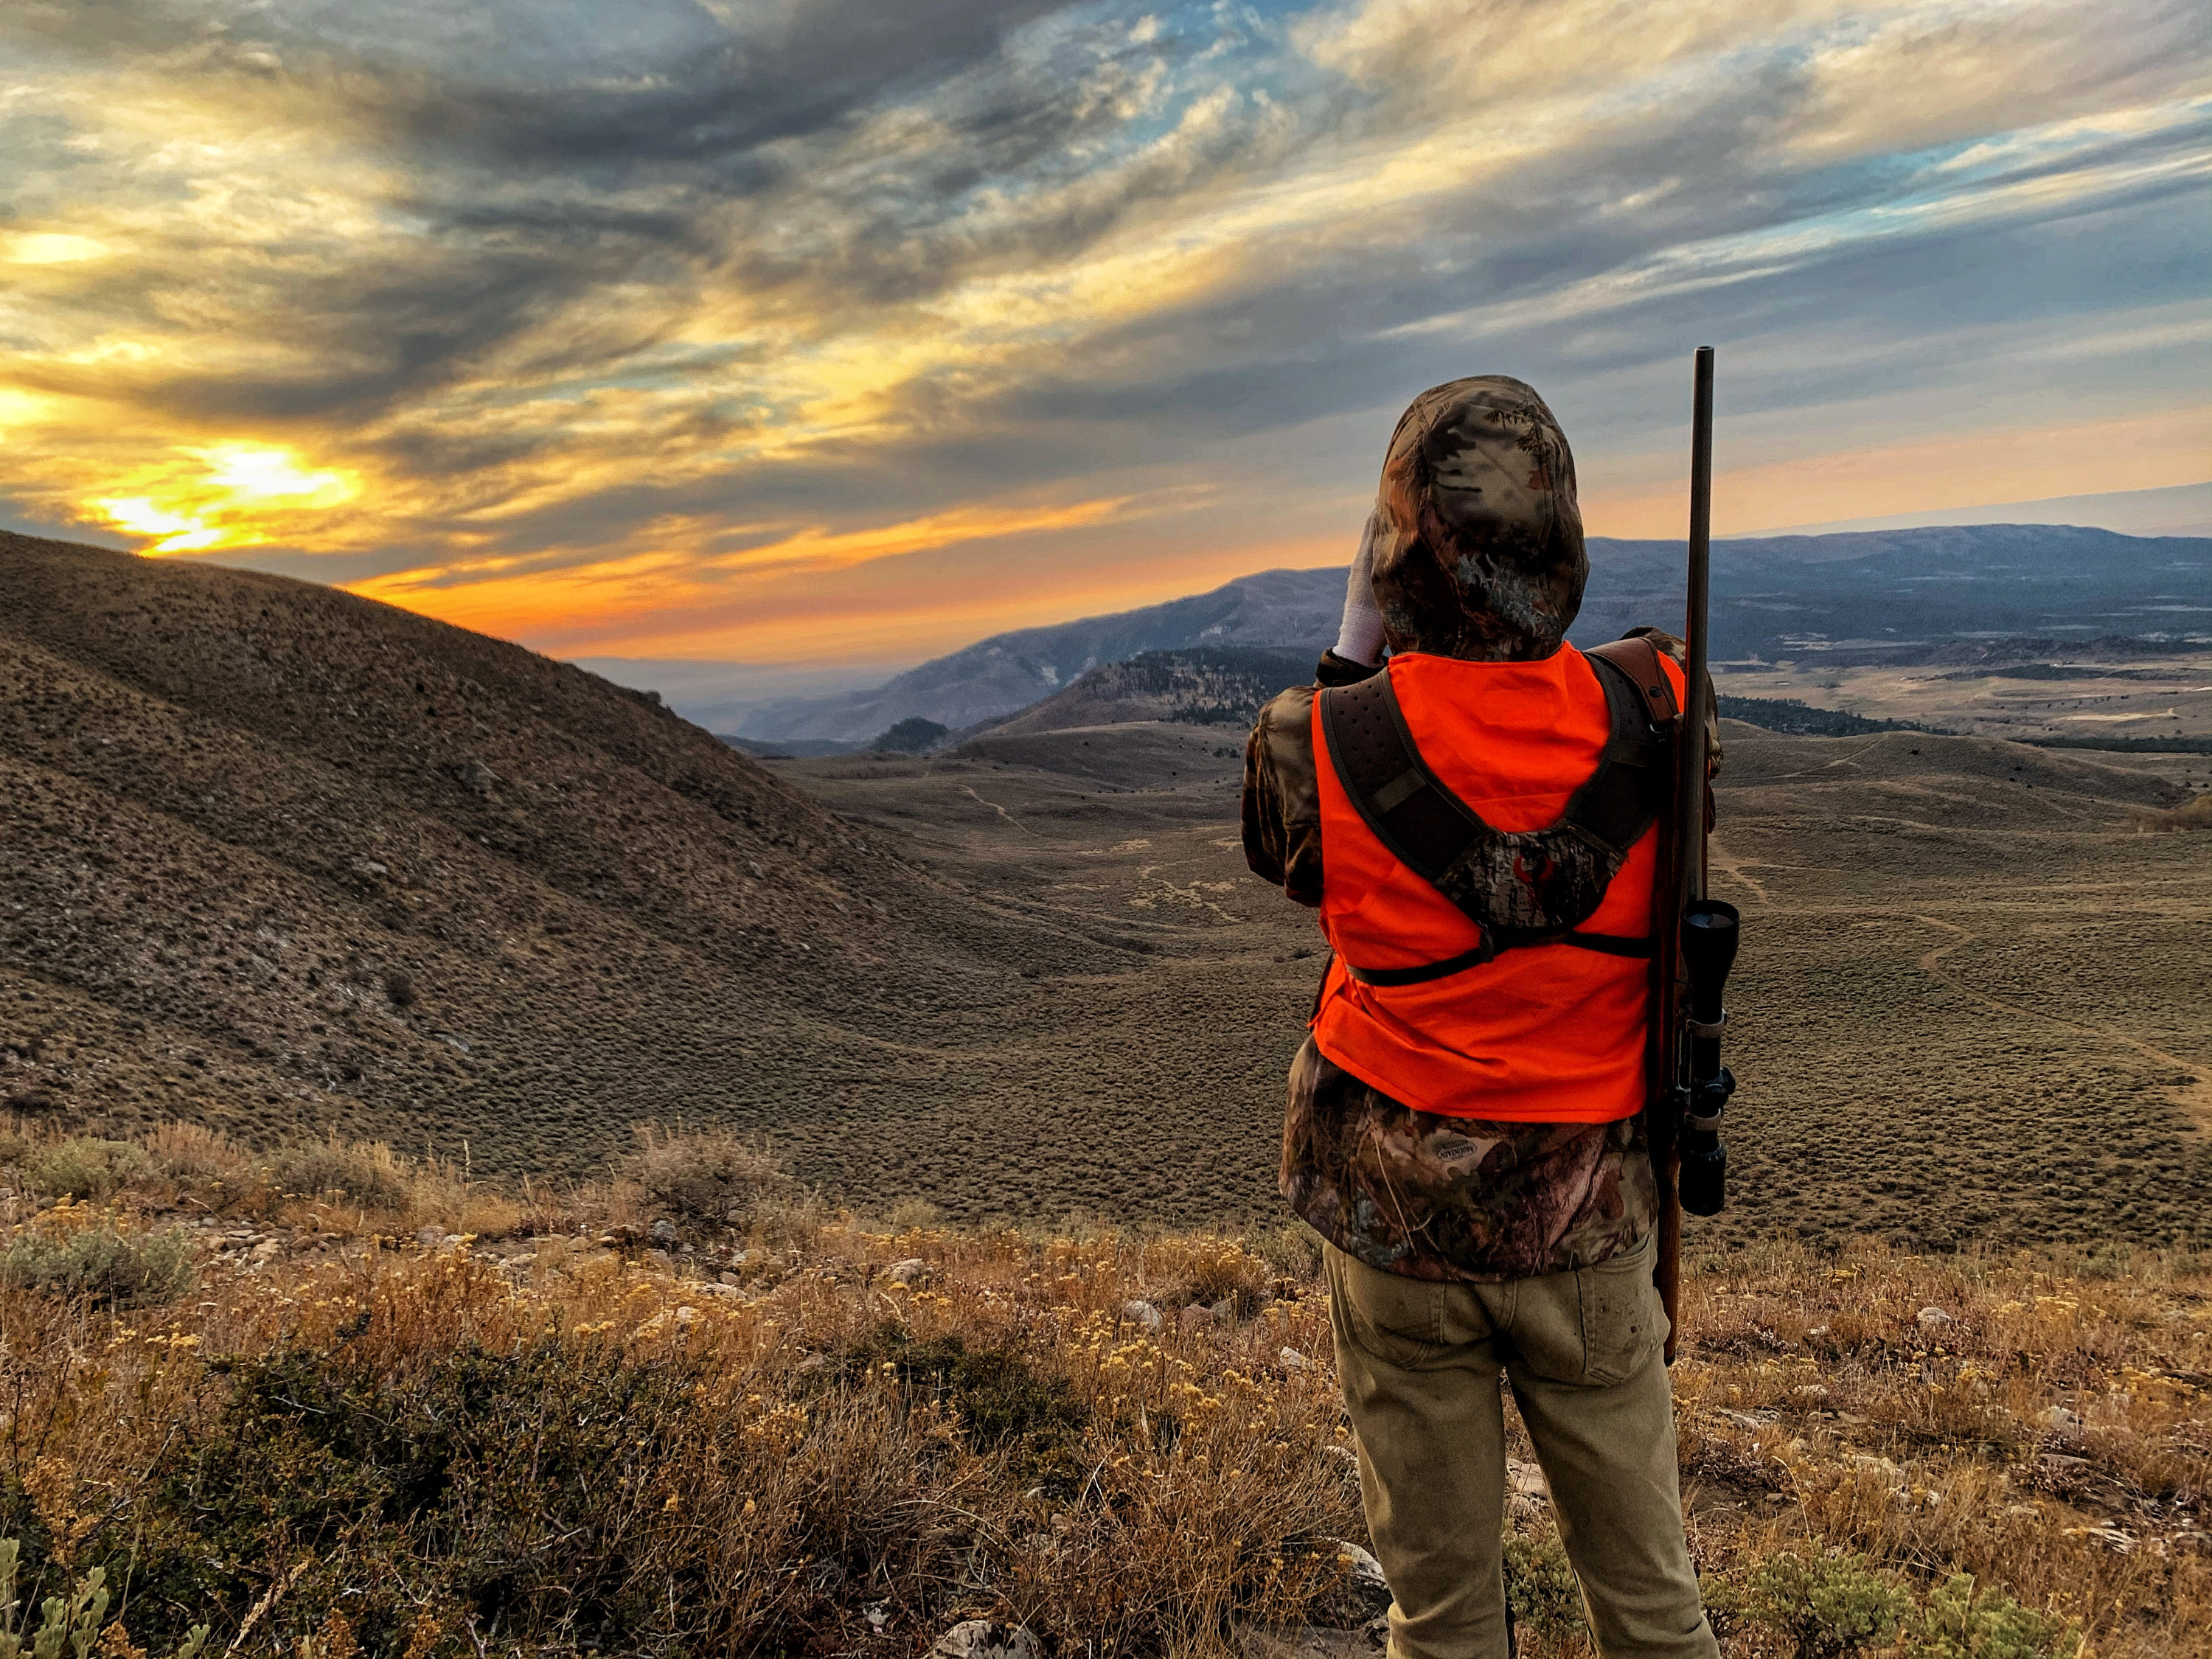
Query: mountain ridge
(1830,594)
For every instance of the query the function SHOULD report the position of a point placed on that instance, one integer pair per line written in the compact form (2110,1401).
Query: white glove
(1360,637)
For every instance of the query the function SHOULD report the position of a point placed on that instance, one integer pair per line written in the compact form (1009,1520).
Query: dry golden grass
(549,1430)
(2038,1421)
(2192,815)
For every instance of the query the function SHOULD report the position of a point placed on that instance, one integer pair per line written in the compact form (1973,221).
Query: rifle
(1696,940)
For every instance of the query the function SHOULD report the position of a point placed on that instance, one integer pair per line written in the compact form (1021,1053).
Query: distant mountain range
(1894,595)
(1008,671)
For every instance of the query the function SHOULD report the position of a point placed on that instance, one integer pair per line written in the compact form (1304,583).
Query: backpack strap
(1427,828)
(1614,808)
(1423,825)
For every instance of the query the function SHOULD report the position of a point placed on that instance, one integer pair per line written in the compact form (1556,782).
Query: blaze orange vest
(1546,1033)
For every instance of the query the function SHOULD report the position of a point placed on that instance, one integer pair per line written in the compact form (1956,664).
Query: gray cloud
(763,264)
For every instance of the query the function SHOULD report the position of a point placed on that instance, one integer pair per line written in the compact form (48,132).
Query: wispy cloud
(576,323)
(687,567)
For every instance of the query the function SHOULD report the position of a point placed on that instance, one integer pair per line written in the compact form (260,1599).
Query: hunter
(1466,1117)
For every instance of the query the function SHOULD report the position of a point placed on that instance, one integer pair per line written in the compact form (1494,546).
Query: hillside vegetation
(278,859)
(282,862)
(333,1402)
(1214,686)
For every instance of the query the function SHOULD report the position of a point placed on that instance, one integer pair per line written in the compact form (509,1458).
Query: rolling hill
(280,859)
(1199,687)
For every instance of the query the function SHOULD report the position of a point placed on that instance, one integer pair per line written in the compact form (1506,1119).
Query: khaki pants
(1419,1364)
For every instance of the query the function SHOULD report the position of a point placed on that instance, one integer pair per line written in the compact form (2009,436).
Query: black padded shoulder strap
(1426,827)
(1442,839)
(1614,807)
(1423,825)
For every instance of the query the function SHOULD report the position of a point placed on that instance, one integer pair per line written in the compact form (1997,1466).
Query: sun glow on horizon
(581,370)
(240,490)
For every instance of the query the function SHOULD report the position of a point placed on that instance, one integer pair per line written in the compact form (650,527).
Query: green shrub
(1005,1404)
(1831,1607)
(99,1262)
(1541,1587)
(86,1167)
(194,1155)
(1961,1624)
(1293,1251)
(73,1621)
(369,1174)
(1723,1603)
(491,1487)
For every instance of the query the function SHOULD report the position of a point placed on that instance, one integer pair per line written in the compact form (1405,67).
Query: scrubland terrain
(2084,694)
(1969,1005)
(278,860)
(328,1402)
(288,880)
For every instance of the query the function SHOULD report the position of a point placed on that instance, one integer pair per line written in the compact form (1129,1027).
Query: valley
(1968,1008)
(287,863)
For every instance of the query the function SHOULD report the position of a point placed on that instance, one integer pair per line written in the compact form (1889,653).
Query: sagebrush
(551,1429)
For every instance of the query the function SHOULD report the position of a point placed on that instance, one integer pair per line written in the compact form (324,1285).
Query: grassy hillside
(278,859)
(333,1402)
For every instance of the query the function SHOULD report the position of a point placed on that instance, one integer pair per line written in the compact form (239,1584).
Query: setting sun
(256,472)
(227,499)
(180,532)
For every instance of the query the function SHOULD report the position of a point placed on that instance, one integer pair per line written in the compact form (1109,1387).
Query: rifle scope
(1708,943)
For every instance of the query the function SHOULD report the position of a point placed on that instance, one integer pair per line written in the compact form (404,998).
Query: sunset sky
(843,331)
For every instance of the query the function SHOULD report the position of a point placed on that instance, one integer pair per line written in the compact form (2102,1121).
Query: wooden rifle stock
(1682,867)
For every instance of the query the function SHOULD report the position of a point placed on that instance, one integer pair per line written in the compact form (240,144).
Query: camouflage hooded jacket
(1481,557)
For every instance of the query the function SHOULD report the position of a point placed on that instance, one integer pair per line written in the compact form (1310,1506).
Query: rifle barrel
(1690,796)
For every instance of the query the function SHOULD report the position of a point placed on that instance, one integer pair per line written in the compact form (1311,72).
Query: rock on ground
(981,1639)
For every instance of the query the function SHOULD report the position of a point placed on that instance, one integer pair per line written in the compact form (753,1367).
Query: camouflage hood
(1479,541)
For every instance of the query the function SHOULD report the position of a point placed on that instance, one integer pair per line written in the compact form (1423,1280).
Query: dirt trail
(1717,856)
(2195,1095)
(969,792)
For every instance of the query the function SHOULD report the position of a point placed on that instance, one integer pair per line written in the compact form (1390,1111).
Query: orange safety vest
(1545,1033)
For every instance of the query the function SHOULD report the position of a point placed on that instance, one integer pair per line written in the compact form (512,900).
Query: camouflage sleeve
(1282,805)
(1282,801)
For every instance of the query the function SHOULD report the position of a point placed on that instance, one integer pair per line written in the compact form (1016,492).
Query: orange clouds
(676,596)
(725,329)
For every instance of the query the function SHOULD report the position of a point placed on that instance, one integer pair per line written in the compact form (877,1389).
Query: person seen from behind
(1465,1121)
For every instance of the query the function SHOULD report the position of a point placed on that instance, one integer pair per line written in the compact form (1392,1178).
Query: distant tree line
(2130,746)
(1800,720)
